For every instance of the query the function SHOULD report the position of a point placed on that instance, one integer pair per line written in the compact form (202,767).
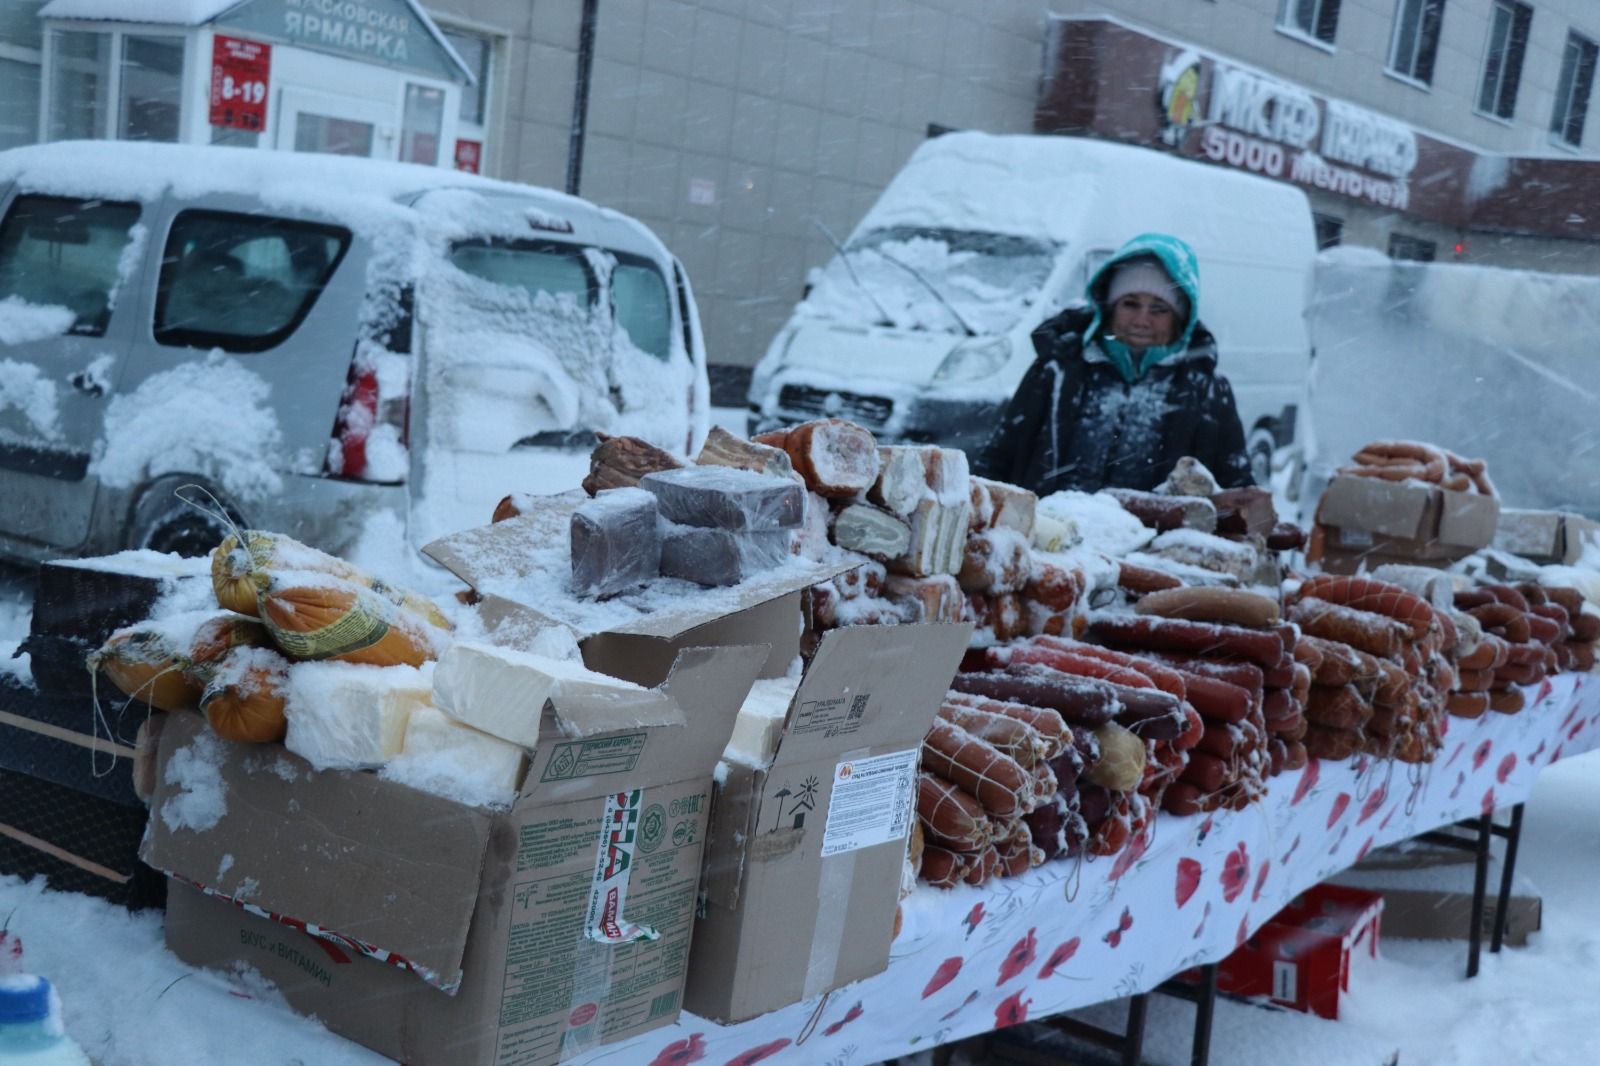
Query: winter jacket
(1086,417)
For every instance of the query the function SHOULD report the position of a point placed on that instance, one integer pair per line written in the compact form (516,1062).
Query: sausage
(1508,701)
(1379,597)
(1081,701)
(1482,657)
(1231,606)
(1290,728)
(1324,743)
(1279,706)
(1207,772)
(1393,683)
(950,816)
(1586,627)
(1508,595)
(1282,674)
(1337,708)
(1010,736)
(1520,674)
(1165,679)
(962,759)
(1245,675)
(1150,714)
(1297,757)
(1171,634)
(1467,704)
(1144,579)
(943,868)
(1556,614)
(1036,653)
(1048,723)
(1363,630)
(1181,798)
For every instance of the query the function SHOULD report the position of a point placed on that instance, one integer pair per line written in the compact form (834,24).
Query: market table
(1070,934)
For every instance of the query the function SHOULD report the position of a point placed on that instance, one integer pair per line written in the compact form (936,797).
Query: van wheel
(164,523)
(1260,447)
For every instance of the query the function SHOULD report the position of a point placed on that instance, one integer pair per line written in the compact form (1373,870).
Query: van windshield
(988,279)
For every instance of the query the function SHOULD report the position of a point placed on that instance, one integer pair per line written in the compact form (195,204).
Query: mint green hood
(1178,260)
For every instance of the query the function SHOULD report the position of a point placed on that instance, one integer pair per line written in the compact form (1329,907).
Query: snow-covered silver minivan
(324,344)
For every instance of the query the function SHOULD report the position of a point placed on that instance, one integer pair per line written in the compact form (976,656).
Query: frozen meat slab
(717,497)
(715,557)
(616,545)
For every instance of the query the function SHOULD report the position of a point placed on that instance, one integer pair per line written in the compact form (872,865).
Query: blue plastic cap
(24,999)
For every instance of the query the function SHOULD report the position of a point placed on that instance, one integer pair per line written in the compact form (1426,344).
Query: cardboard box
(1427,894)
(1545,537)
(1374,521)
(865,703)
(473,936)
(805,855)
(1301,958)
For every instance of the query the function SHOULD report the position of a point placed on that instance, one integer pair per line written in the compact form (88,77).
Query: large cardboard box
(1371,521)
(1427,894)
(512,937)
(804,862)
(1545,536)
(807,851)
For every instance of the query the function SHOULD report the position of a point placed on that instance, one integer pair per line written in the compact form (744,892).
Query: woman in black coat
(1120,410)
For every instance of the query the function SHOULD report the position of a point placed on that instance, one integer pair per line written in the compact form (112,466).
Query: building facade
(740,129)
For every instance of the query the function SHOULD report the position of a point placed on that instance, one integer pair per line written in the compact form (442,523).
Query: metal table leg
(1480,885)
(1133,1048)
(1205,1006)
(1513,836)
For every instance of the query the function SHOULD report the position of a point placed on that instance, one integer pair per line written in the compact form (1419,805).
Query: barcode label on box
(663,1005)
(1285,982)
(871,801)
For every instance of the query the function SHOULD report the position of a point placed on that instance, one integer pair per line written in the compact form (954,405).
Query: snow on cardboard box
(805,854)
(446,935)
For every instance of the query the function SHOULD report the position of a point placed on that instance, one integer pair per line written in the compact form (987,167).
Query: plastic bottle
(30,1025)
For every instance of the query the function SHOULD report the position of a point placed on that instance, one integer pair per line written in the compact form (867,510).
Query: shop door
(338,125)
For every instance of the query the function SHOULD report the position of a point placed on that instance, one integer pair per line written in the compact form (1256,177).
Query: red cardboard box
(1301,958)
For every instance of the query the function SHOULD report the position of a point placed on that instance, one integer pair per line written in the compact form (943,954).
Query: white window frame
(1287,27)
(489,130)
(114,75)
(1409,76)
(1564,106)
(35,56)
(1488,48)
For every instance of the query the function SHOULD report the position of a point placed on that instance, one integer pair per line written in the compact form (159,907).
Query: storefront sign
(240,76)
(1271,127)
(469,156)
(389,32)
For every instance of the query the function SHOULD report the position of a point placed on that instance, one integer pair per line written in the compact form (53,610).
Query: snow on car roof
(1046,186)
(364,193)
(171,12)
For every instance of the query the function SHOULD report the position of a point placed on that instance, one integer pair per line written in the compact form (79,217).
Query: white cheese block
(503,691)
(458,762)
(759,726)
(351,715)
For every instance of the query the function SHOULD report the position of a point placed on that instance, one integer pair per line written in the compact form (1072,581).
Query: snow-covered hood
(900,356)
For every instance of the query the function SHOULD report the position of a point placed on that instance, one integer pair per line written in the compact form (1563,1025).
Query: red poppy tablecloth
(1068,934)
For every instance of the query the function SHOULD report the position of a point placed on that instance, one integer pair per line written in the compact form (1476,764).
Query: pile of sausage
(1393,460)
(1381,668)
(1520,636)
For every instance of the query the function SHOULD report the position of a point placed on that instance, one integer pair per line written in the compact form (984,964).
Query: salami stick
(1337,708)
(1168,681)
(1363,630)
(1379,597)
(1081,701)
(1049,724)
(962,759)
(1010,736)
(1229,606)
(950,816)
(1264,648)
(1040,654)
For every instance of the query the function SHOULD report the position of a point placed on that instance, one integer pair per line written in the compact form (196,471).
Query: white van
(315,341)
(920,328)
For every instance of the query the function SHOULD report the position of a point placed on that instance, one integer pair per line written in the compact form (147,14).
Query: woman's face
(1142,321)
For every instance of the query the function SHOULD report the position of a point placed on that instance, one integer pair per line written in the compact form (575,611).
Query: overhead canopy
(394,33)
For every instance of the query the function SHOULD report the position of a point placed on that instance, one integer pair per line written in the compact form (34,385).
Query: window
(475,51)
(420,125)
(537,267)
(1330,230)
(642,306)
(151,90)
(65,253)
(335,136)
(1402,246)
(242,283)
(1502,62)
(1316,19)
(1416,39)
(1573,89)
(21,61)
(80,85)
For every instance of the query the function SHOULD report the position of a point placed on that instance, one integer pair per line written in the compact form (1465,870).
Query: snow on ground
(16,610)
(131,1003)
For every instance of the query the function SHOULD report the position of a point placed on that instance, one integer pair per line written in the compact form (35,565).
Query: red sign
(240,74)
(468,155)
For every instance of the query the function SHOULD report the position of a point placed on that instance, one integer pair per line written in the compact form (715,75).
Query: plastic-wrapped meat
(1163,512)
(620,462)
(616,542)
(837,459)
(811,541)
(1081,701)
(871,531)
(926,599)
(720,497)
(1012,507)
(996,560)
(1245,510)
(715,557)
(724,449)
